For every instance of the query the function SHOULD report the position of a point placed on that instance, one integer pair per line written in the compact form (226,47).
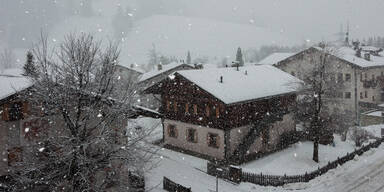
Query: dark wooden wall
(181,91)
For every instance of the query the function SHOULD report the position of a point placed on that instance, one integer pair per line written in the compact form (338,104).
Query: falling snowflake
(99,115)
(42,149)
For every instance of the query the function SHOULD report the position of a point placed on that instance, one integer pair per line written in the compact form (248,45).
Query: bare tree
(319,90)
(88,146)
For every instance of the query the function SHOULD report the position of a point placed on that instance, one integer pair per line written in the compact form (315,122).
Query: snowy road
(365,174)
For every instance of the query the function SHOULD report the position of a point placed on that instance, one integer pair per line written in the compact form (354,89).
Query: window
(213,140)
(172,131)
(347,95)
(361,76)
(332,77)
(365,76)
(348,77)
(373,98)
(195,109)
(187,108)
(361,95)
(207,110)
(192,135)
(15,155)
(366,94)
(14,111)
(339,77)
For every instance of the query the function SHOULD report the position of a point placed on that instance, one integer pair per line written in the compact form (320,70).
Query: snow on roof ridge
(275,58)
(349,54)
(249,83)
(165,68)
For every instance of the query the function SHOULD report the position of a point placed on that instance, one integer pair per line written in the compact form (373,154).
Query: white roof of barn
(156,72)
(249,83)
(275,58)
(11,82)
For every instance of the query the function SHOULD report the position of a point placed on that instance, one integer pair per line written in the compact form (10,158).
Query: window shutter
(196,139)
(5,112)
(25,109)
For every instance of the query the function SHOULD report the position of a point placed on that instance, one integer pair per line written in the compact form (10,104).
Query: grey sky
(313,19)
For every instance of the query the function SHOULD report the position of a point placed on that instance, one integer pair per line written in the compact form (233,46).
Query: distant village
(229,115)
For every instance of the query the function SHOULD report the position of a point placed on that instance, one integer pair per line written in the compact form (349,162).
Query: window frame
(172,129)
(210,137)
(194,139)
(348,95)
(348,77)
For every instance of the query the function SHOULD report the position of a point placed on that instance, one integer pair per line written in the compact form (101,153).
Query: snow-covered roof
(11,81)
(349,54)
(165,68)
(136,69)
(274,58)
(249,83)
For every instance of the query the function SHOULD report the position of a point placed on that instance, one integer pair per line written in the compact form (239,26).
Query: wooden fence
(274,180)
(171,186)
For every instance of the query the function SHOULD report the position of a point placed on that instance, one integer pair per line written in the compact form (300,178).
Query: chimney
(358,52)
(159,67)
(221,79)
(367,56)
(246,72)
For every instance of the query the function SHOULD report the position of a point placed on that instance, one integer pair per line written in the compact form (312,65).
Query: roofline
(165,72)
(341,59)
(243,101)
(131,69)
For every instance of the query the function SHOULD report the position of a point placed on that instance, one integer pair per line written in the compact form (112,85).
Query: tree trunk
(316,150)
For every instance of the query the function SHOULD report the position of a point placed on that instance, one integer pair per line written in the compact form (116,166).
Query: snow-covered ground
(375,130)
(365,172)
(362,174)
(297,159)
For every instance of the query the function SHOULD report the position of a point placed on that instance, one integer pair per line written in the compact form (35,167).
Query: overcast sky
(314,19)
(299,19)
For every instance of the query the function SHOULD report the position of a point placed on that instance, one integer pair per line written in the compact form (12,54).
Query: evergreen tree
(189,59)
(239,57)
(29,66)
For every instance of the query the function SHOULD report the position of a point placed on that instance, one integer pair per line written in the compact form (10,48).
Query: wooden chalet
(227,114)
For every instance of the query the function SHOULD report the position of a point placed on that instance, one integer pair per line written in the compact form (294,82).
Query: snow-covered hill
(174,36)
